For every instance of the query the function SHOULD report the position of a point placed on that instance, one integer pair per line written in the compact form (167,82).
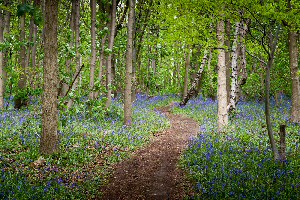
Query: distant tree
(186,72)
(93,48)
(49,137)
(21,98)
(75,27)
(111,40)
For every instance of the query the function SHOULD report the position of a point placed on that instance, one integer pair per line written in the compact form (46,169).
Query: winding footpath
(152,172)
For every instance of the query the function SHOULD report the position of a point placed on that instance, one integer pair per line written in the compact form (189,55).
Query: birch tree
(222,92)
(194,88)
(234,71)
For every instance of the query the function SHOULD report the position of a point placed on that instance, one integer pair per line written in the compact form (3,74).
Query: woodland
(86,85)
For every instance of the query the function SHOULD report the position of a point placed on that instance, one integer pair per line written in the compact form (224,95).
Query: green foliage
(33,11)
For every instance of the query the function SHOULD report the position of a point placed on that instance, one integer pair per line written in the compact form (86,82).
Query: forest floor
(152,172)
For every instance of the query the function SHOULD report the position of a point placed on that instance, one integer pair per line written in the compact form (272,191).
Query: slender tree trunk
(28,53)
(186,73)
(267,110)
(77,43)
(272,44)
(129,64)
(109,58)
(21,99)
(234,75)
(65,86)
(33,59)
(1,61)
(293,51)
(222,89)
(193,90)
(49,137)
(101,63)
(6,30)
(93,47)
(228,58)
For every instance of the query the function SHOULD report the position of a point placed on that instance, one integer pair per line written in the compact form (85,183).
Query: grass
(89,144)
(238,164)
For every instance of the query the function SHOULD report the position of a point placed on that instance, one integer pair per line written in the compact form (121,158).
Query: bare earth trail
(152,172)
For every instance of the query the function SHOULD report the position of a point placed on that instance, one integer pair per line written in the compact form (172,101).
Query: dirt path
(152,173)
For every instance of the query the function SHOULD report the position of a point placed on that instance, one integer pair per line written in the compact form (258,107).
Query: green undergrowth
(238,164)
(89,144)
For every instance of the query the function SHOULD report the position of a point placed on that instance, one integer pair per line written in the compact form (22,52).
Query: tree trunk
(21,99)
(76,21)
(293,51)
(28,53)
(222,89)
(243,63)
(129,64)
(93,47)
(267,110)
(1,61)
(101,63)
(109,57)
(227,58)
(37,3)
(234,71)
(49,137)
(65,86)
(272,44)
(6,30)
(186,73)
(194,88)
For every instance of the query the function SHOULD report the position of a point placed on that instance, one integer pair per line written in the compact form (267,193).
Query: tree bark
(49,137)
(1,61)
(222,89)
(234,71)
(194,88)
(21,99)
(243,62)
(109,57)
(129,64)
(93,48)
(227,58)
(293,51)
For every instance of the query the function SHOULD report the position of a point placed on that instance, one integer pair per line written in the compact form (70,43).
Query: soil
(152,172)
